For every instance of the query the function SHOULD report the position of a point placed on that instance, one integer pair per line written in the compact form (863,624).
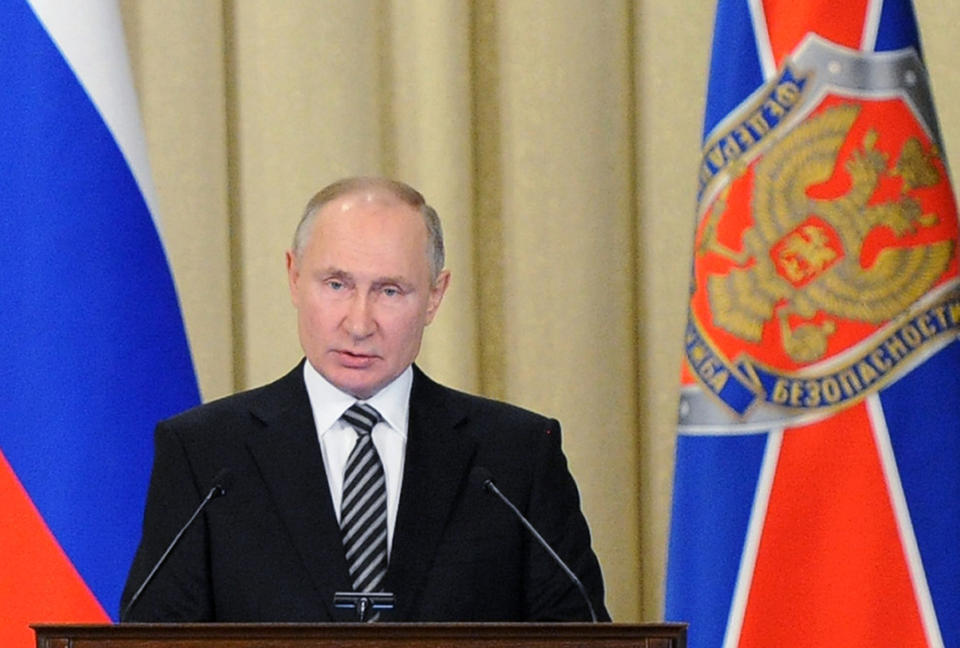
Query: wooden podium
(361,635)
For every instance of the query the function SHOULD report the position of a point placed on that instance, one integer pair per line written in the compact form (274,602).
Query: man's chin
(357,382)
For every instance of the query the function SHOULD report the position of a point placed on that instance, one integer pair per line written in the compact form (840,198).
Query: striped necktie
(363,511)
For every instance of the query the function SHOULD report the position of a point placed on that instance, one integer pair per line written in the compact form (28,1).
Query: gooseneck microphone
(220,485)
(485,479)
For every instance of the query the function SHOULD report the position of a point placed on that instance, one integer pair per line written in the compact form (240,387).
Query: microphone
(483,477)
(221,483)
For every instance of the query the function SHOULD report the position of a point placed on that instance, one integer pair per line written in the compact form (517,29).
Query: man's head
(399,190)
(366,276)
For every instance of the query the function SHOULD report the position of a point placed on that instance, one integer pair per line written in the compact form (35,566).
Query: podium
(363,635)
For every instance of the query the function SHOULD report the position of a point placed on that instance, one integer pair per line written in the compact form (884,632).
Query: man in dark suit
(355,471)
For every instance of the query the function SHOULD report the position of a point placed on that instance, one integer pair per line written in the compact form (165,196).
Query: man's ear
(436,294)
(293,275)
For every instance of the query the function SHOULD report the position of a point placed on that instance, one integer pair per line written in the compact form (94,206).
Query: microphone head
(222,482)
(481,477)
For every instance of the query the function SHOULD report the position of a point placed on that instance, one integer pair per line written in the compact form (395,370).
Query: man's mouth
(355,360)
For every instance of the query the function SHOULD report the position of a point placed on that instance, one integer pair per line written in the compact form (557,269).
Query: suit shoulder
(486,416)
(257,403)
(489,407)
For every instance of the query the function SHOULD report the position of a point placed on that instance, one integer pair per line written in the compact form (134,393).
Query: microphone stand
(490,487)
(215,491)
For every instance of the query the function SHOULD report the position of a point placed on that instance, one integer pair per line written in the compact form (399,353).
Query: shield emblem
(825,261)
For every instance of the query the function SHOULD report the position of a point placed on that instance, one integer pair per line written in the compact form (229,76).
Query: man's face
(363,292)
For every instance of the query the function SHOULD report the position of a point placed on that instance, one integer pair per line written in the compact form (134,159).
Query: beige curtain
(558,140)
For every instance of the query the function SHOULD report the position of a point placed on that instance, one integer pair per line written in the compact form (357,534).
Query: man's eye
(333,284)
(391,291)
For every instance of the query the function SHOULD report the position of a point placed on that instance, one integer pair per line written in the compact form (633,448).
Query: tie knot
(362,417)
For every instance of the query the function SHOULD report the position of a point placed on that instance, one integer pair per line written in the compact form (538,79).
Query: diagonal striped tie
(363,511)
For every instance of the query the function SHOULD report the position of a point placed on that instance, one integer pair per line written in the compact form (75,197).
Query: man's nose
(359,321)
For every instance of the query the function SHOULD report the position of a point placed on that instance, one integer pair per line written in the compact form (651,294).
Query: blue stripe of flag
(898,27)
(735,70)
(714,485)
(93,350)
(926,444)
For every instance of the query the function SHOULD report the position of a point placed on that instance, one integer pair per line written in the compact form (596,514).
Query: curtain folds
(559,143)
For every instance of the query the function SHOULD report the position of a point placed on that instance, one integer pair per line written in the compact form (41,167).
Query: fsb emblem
(825,259)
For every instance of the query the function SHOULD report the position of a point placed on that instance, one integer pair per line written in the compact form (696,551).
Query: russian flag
(92,346)
(817,487)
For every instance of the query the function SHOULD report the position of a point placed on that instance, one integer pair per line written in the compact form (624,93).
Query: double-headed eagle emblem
(803,261)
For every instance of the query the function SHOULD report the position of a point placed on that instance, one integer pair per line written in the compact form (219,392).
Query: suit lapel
(436,465)
(288,454)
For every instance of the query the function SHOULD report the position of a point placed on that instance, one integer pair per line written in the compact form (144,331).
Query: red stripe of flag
(831,566)
(788,21)
(38,584)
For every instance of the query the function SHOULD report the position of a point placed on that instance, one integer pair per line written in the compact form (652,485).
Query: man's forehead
(380,233)
(363,208)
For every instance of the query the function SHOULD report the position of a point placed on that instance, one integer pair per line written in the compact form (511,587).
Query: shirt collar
(329,403)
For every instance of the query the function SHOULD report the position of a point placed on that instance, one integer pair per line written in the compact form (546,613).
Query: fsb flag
(92,346)
(817,487)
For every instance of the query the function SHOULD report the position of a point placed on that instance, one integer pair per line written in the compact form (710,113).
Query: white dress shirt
(337,437)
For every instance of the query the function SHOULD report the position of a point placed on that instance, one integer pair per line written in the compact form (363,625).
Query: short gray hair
(402,191)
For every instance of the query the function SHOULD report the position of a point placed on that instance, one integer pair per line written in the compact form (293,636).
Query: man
(355,471)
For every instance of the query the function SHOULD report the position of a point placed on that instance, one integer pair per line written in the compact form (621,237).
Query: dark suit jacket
(270,549)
